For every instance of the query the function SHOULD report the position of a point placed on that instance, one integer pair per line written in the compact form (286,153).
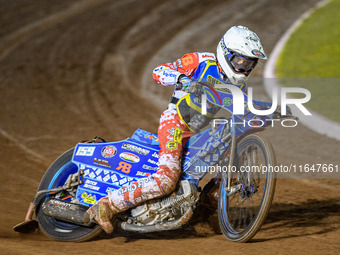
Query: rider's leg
(170,133)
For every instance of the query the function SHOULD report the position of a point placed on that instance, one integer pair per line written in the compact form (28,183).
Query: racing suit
(175,126)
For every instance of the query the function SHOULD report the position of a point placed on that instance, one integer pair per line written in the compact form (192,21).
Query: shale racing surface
(70,70)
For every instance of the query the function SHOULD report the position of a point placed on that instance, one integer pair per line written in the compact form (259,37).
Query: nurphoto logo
(239,103)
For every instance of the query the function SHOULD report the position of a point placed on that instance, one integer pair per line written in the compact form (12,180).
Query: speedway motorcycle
(87,172)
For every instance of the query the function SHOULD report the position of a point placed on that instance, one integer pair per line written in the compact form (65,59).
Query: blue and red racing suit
(176,123)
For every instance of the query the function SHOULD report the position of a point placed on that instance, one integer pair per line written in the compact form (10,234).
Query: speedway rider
(237,54)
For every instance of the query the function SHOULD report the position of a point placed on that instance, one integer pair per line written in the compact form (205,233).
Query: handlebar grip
(289,117)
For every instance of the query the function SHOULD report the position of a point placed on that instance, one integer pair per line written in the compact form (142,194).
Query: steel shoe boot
(102,213)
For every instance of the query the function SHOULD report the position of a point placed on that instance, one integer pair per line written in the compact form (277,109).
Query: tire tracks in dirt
(15,39)
(102,105)
(221,17)
(130,49)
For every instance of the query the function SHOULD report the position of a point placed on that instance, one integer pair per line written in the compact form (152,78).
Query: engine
(167,208)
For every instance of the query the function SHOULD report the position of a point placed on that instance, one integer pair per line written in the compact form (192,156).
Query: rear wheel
(54,177)
(242,214)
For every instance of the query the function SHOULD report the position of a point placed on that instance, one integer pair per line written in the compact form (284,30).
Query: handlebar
(289,117)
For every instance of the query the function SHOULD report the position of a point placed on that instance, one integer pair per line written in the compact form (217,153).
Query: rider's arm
(168,74)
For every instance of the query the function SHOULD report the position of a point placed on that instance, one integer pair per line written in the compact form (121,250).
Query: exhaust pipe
(165,226)
(66,211)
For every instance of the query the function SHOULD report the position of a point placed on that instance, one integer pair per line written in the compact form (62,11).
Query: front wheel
(54,177)
(242,213)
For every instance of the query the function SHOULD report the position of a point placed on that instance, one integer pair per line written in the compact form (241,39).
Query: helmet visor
(242,64)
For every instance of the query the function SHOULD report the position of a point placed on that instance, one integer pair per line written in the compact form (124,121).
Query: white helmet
(238,53)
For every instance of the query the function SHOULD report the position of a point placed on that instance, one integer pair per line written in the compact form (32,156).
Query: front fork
(252,159)
(231,190)
(231,160)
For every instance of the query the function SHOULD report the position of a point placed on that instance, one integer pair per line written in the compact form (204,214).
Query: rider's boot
(102,213)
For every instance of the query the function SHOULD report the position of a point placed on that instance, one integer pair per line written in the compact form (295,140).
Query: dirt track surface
(71,70)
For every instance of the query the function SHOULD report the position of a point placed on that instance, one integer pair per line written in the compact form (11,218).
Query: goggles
(242,64)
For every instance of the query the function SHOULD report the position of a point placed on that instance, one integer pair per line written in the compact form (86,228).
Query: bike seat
(145,137)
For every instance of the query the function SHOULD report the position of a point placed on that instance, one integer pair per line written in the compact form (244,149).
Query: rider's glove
(196,89)
(183,83)
(277,112)
(289,111)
